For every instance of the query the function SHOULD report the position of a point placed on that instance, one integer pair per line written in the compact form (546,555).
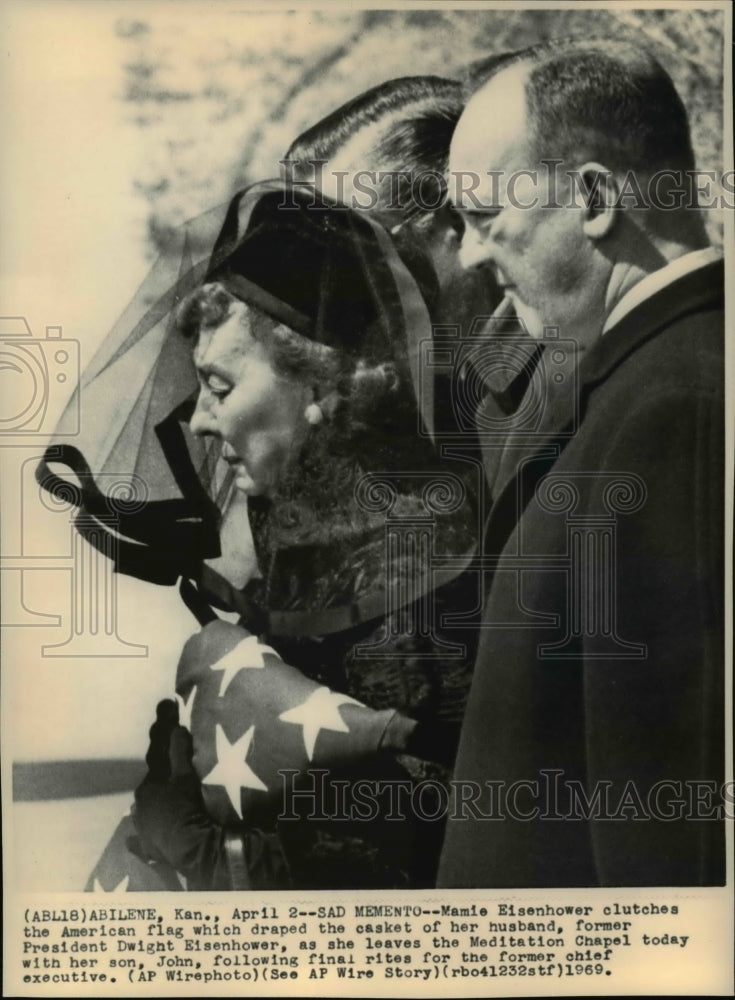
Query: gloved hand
(170,816)
(174,827)
(430,739)
(157,757)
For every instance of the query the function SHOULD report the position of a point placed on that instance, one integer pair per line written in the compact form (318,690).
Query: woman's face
(258,414)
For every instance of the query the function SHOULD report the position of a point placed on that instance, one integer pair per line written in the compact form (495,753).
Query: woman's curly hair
(358,391)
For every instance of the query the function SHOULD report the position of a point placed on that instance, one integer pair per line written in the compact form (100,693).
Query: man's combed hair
(416,115)
(607,101)
(600,99)
(406,126)
(413,118)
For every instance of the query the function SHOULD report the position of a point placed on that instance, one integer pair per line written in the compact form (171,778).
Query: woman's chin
(246,485)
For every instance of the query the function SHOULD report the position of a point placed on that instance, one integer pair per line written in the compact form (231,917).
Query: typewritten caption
(103,947)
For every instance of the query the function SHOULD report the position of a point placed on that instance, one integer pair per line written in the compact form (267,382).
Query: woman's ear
(314,414)
(600,192)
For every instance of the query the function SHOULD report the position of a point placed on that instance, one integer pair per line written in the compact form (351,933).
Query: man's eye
(455,220)
(481,216)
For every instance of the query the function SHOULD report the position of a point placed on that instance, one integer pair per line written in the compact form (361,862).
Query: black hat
(138,476)
(321,269)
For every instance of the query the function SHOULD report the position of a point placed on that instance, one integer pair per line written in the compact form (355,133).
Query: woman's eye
(219,387)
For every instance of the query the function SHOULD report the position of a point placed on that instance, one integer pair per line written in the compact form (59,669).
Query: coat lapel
(558,405)
(527,458)
(696,291)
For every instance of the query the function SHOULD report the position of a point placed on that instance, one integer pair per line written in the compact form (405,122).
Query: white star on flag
(246,654)
(319,711)
(231,770)
(120,887)
(185,708)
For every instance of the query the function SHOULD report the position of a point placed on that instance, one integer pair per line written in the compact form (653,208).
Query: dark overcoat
(596,712)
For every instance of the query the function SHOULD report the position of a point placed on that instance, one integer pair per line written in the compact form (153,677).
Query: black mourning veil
(162,500)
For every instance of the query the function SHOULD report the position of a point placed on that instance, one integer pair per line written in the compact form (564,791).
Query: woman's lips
(243,481)
(236,464)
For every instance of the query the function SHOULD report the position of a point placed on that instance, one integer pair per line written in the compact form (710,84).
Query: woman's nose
(201,421)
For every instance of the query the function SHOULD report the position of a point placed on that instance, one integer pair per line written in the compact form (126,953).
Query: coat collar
(700,289)
(697,290)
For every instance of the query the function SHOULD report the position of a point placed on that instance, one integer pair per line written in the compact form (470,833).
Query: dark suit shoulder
(685,358)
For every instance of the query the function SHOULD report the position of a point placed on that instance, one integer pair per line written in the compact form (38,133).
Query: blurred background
(125,119)
(249,83)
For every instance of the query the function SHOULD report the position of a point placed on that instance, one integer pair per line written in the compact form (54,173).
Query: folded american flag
(252,715)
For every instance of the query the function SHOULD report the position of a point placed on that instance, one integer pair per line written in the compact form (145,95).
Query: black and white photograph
(367,487)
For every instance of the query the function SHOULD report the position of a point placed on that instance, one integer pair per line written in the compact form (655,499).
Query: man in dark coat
(592,750)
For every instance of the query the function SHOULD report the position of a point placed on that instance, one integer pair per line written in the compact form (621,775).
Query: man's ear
(600,192)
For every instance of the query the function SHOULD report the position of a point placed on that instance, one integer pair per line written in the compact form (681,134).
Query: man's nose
(475,250)
(201,421)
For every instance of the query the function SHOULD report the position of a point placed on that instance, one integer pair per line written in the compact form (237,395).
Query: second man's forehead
(495,117)
(476,190)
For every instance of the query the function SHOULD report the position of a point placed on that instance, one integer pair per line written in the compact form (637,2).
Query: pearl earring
(313,414)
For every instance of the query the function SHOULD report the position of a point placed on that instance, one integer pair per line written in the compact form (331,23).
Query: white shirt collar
(657,280)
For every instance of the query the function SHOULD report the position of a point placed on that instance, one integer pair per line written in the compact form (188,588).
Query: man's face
(354,175)
(539,254)
(243,401)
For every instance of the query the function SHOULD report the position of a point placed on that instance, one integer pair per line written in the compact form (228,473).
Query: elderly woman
(308,335)
(302,339)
